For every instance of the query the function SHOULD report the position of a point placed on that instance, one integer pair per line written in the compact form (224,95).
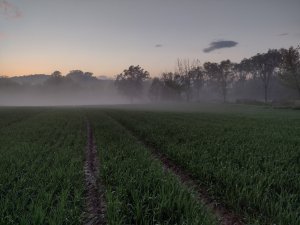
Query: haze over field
(72,52)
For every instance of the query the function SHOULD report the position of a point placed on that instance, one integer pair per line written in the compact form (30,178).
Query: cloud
(219,44)
(283,34)
(158,45)
(9,10)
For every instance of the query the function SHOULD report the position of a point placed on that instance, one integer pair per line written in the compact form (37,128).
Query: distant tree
(242,71)
(241,76)
(80,76)
(56,74)
(56,78)
(183,70)
(58,82)
(8,83)
(156,88)
(290,68)
(197,76)
(192,77)
(88,74)
(210,70)
(225,77)
(130,82)
(264,66)
(221,74)
(172,86)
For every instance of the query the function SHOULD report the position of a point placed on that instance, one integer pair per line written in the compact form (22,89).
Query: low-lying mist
(105,92)
(268,78)
(51,90)
(43,96)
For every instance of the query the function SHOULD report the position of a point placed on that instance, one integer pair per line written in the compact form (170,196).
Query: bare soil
(94,192)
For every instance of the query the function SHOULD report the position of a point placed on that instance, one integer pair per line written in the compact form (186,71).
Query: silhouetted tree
(264,66)
(56,74)
(241,76)
(225,78)
(197,76)
(56,78)
(156,88)
(221,74)
(80,76)
(242,70)
(130,82)
(172,86)
(183,70)
(7,83)
(57,83)
(88,74)
(192,77)
(290,68)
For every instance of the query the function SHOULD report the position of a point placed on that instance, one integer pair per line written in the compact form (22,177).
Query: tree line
(277,66)
(274,74)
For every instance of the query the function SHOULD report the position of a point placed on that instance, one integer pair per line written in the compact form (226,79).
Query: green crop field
(246,158)
(41,167)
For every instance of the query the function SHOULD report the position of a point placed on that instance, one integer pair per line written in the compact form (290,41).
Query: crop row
(250,163)
(41,164)
(9,115)
(138,189)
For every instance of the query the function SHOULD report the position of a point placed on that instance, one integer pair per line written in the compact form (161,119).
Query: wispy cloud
(283,34)
(220,44)
(158,45)
(9,10)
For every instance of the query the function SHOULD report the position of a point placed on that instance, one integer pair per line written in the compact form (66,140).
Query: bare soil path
(94,193)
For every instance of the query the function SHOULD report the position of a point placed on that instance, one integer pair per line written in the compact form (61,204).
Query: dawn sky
(107,36)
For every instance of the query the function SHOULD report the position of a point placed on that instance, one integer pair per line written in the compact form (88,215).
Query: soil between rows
(95,205)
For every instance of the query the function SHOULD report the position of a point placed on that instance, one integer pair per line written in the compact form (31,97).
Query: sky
(107,36)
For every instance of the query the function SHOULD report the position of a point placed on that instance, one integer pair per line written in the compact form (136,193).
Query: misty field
(158,164)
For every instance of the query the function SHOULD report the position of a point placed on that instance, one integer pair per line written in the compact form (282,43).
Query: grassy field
(41,178)
(246,157)
(138,190)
